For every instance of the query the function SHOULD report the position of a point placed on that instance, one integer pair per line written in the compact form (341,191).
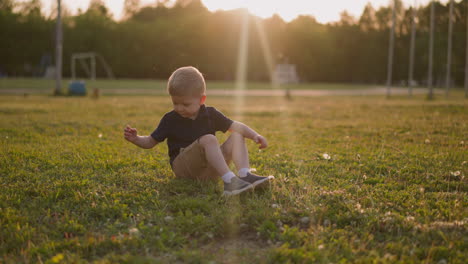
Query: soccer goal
(285,74)
(87,61)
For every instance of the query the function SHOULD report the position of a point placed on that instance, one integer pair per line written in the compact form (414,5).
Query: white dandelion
(134,231)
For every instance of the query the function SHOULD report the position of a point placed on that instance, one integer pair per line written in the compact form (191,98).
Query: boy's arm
(145,142)
(247,132)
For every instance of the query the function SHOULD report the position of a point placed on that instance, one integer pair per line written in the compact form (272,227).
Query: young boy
(190,129)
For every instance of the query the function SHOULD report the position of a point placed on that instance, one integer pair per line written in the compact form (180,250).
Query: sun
(323,11)
(260,8)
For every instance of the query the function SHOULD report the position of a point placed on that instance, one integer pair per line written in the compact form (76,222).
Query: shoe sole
(267,179)
(227,193)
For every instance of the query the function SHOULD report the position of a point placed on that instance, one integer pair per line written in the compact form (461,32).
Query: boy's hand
(261,140)
(130,133)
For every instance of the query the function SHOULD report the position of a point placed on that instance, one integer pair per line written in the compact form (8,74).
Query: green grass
(394,190)
(159,85)
(45,84)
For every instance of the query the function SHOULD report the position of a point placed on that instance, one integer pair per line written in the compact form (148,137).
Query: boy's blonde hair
(186,81)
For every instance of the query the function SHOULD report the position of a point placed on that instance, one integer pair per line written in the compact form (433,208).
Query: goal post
(87,60)
(285,74)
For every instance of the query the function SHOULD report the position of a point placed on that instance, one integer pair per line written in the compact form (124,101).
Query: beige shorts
(191,163)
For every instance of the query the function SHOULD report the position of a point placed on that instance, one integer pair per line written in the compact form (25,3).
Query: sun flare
(323,11)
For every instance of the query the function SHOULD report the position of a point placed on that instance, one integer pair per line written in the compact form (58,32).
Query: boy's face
(188,106)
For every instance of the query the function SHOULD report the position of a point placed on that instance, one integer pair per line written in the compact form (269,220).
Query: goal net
(286,73)
(87,61)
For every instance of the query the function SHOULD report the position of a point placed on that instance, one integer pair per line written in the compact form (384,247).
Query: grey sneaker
(256,179)
(236,186)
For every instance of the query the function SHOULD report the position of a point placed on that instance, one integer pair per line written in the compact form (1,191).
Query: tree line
(151,41)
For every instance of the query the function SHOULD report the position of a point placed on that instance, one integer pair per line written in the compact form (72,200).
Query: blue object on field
(77,88)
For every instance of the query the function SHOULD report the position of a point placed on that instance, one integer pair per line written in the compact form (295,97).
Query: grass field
(358,180)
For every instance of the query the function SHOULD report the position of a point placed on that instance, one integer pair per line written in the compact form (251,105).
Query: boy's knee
(208,139)
(237,135)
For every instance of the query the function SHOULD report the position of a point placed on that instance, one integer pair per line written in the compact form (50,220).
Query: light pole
(449,50)
(431,51)
(466,58)
(411,58)
(390,51)
(58,51)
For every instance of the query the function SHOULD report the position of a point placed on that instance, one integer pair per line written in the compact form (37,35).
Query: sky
(324,11)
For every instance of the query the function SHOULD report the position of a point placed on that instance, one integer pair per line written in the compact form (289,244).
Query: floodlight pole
(58,51)
(390,50)
(466,57)
(411,58)
(431,51)
(449,50)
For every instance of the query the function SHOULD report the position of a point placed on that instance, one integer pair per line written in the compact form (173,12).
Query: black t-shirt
(181,132)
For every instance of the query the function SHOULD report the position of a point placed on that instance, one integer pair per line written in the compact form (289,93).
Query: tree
(156,39)
(346,19)
(98,7)
(131,7)
(368,20)
(31,8)
(6,5)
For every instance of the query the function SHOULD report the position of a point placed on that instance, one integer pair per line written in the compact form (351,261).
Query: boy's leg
(191,163)
(215,157)
(235,149)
